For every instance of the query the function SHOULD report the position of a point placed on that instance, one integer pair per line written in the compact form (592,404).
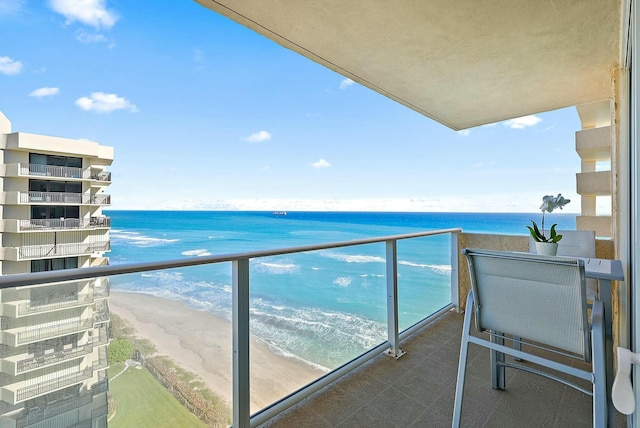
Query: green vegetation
(121,350)
(142,402)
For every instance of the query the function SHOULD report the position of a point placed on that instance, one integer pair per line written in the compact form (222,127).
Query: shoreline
(201,343)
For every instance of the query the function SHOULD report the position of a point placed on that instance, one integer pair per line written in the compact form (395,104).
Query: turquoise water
(323,307)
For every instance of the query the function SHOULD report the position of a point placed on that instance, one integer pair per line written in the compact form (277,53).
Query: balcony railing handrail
(64,223)
(24,279)
(75,300)
(51,170)
(35,362)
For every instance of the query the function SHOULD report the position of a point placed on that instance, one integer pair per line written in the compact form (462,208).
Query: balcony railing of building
(44,332)
(64,198)
(101,175)
(53,384)
(39,170)
(35,307)
(33,415)
(240,263)
(36,362)
(51,171)
(102,338)
(100,386)
(54,250)
(64,223)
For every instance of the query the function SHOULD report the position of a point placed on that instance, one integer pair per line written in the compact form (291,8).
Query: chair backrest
(574,243)
(537,298)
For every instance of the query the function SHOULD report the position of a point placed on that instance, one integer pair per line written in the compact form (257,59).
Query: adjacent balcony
(24,363)
(19,392)
(49,224)
(63,172)
(57,198)
(18,336)
(29,252)
(30,417)
(24,308)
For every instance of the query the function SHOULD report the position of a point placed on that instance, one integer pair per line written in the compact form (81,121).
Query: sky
(206,114)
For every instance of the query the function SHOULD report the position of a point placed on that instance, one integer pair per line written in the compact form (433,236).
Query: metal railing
(51,171)
(34,307)
(53,358)
(64,198)
(240,309)
(51,250)
(51,331)
(52,384)
(35,415)
(64,223)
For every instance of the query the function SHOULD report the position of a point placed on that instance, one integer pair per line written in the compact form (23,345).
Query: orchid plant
(549,203)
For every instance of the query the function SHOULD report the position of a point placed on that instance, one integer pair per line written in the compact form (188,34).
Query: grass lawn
(142,402)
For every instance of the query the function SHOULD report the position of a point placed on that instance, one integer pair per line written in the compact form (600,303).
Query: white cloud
(44,92)
(9,66)
(89,12)
(523,122)
(346,83)
(105,103)
(464,132)
(258,137)
(321,164)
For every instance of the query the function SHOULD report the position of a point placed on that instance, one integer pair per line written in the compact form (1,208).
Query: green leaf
(535,233)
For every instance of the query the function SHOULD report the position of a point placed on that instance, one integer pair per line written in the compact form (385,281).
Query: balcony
(19,393)
(29,252)
(49,171)
(49,224)
(57,198)
(33,415)
(22,363)
(414,389)
(17,336)
(24,308)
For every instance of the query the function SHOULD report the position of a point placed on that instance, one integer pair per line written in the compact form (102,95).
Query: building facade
(53,338)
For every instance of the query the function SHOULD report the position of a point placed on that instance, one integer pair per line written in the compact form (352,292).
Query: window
(45,212)
(68,161)
(44,265)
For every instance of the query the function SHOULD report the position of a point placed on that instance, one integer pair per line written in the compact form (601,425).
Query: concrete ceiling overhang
(462,63)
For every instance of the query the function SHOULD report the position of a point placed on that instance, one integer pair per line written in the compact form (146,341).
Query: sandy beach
(200,342)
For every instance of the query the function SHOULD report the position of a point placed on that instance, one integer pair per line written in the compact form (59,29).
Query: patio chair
(540,302)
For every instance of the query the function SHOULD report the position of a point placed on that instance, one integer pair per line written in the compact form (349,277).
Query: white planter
(547,248)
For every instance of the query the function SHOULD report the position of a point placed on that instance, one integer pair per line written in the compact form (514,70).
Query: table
(605,271)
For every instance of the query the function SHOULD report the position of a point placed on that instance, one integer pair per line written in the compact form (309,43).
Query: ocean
(322,307)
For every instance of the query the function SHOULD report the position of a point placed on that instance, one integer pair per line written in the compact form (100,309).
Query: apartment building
(54,337)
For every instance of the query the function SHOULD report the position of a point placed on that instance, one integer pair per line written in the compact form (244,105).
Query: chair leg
(462,363)
(600,409)
(497,369)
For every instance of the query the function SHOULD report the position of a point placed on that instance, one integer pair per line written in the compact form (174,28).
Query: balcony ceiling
(462,63)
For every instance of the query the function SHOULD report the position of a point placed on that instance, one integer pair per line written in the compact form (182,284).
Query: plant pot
(547,248)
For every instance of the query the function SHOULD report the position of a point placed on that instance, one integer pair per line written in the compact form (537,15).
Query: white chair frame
(507,283)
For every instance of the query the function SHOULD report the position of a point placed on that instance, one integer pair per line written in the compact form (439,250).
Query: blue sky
(205,114)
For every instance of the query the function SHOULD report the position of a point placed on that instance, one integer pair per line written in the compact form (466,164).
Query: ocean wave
(275,268)
(352,258)
(327,337)
(137,238)
(343,281)
(197,253)
(437,268)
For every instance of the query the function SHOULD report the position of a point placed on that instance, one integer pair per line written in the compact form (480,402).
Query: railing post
(241,393)
(392,300)
(455,274)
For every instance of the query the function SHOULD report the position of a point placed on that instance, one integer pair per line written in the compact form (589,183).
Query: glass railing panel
(424,277)
(312,312)
(179,323)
